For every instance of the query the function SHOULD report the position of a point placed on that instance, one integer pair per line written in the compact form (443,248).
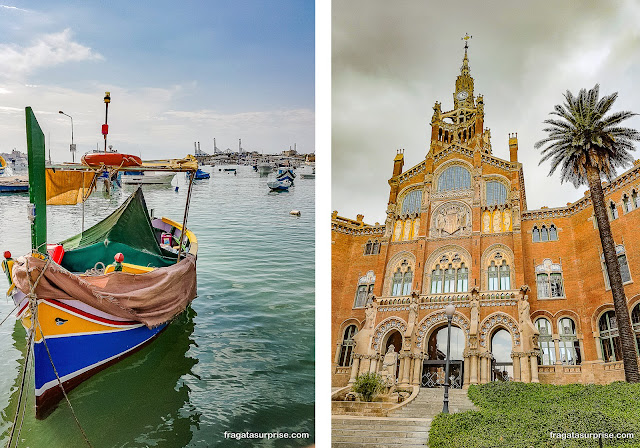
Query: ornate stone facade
(465,236)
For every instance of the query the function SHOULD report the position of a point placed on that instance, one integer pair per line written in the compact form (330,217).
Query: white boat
(279,185)
(307,172)
(147,178)
(264,168)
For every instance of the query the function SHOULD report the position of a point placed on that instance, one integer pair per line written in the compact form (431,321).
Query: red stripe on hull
(91,316)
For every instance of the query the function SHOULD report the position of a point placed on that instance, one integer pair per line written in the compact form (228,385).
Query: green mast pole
(37,183)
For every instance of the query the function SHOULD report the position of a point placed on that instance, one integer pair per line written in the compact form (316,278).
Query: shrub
(368,385)
(518,415)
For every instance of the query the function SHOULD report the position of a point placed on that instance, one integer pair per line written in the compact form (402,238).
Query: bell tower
(464,124)
(463,96)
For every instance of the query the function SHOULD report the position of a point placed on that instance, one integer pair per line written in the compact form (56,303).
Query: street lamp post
(449,311)
(72,147)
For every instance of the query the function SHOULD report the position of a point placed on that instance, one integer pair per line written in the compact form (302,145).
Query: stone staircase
(405,427)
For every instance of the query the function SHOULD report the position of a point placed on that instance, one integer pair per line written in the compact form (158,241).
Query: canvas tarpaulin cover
(68,187)
(152,298)
(127,230)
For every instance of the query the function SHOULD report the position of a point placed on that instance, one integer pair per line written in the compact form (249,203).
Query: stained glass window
(454,178)
(411,202)
(547,348)
(346,349)
(496,193)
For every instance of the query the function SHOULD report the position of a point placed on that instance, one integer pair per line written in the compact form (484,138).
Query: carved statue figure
(506,220)
(370,314)
(529,331)
(486,223)
(389,364)
(496,221)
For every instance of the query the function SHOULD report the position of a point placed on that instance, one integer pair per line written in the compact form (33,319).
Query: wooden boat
(279,185)
(202,175)
(285,174)
(3,165)
(14,184)
(147,178)
(99,296)
(308,172)
(111,159)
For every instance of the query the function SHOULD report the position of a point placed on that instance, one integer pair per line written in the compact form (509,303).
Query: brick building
(458,230)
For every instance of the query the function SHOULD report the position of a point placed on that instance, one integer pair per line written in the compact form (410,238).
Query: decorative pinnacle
(465,61)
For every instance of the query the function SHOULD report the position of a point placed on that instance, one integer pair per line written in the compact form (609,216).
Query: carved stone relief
(451,219)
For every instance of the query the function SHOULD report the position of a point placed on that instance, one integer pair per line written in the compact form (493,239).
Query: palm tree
(586,145)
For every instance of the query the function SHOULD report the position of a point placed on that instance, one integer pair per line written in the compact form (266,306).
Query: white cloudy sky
(178,72)
(392,60)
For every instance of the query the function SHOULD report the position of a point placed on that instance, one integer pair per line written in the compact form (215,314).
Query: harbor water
(241,359)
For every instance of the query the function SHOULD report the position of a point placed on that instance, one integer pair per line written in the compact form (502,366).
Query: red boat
(111,159)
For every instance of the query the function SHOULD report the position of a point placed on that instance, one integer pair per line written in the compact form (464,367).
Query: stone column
(374,364)
(354,369)
(596,341)
(467,371)
(406,363)
(401,358)
(484,369)
(365,364)
(556,343)
(516,366)
(534,368)
(417,368)
(525,371)
(473,377)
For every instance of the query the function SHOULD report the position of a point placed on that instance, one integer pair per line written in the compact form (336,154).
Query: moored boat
(307,172)
(147,178)
(285,173)
(3,165)
(202,175)
(279,185)
(99,296)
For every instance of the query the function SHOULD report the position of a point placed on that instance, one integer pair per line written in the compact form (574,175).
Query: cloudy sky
(392,61)
(178,72)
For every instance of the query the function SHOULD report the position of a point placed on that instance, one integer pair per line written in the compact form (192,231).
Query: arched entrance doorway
(502,364)
(393,338)
(433,371)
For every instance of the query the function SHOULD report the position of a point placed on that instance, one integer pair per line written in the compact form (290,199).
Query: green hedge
(516,415)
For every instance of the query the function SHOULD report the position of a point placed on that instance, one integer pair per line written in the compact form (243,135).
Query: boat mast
(37,182)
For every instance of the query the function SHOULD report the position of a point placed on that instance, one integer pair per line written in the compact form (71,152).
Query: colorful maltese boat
(3,165)
(93,299)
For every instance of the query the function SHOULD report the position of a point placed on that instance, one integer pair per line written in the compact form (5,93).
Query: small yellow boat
(3,165)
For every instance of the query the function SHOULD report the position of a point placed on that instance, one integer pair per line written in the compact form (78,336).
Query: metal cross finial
(466,40)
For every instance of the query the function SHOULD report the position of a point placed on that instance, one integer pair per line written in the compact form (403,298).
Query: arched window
(454,178)
(626,203)
(622,262)
(635,199)
(437,276)
(449,279)
(553,233)
(346,348)
(376,248)
(549,279)
(609,339)
(396,290)
(505,276)
(368,248)
(494,285)
(463,278)
(406,282)
(365,289)
(569,344)
(614,210)
(496,193)
(542,281)
(544,234)
(635,323)
(411,202)
(547,348)
(536,234)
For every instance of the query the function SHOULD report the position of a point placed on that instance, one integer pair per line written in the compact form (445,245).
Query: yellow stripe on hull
(56,322)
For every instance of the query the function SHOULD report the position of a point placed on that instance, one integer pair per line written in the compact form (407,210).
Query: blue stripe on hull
(71,354)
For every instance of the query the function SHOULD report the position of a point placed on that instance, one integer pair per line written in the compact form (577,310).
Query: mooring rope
(33,306)
(24,375)
(24,409)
